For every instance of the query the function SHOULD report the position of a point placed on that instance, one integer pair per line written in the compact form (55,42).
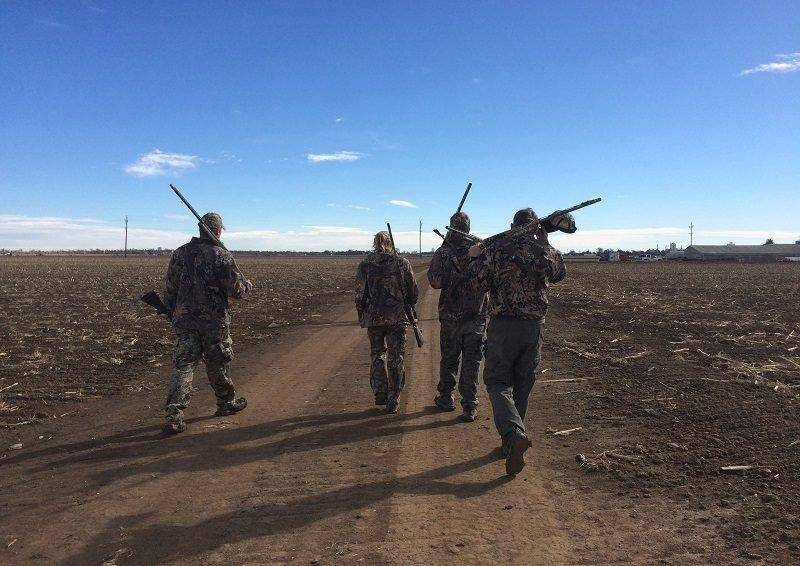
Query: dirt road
(312,472)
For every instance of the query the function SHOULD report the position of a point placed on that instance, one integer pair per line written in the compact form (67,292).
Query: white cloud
(784,63)
(54,233)
(160,163)
(339,120)
(404,203)
(320,238)
(338,156)
(351,206)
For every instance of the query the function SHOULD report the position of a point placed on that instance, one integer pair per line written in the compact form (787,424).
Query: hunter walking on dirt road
(462,314)
(381,310)
(200,278)
(516,271)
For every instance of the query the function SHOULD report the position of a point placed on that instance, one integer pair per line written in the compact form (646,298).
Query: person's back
(200,279)
(517,272)
(460,297)
(379,296)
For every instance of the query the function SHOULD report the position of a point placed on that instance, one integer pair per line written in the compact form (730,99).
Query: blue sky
(301,122)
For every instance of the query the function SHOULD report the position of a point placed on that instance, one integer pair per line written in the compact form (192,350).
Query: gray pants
(513,351)
(461,340)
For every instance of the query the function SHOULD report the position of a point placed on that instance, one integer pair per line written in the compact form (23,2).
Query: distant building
(731,252)
(583,258)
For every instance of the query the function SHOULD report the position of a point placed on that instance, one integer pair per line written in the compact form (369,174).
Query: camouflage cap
(460,221)
(213,221)
(524,216)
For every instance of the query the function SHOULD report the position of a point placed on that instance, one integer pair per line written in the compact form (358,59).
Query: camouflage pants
(513,352)
(461,340)
(216,350)
(381,338)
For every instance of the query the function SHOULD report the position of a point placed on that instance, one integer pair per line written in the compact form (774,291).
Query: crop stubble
(74,328)
(680,369)
(692,368)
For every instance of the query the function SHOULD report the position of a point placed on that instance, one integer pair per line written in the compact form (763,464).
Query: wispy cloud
(94,8)
(404,203)
(159,163)
(338,156)
(338,120)
(784,63)
(320,238)
(351,206)
(52,24)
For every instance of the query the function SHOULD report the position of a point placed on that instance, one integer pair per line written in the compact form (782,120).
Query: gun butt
(152,299)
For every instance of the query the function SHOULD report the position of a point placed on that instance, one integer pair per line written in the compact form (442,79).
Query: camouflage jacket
(379,299)
(517,272)
(461,297)
(199,281)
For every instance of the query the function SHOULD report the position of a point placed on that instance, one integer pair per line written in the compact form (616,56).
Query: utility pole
(125,253)
(691,234)
(420,237)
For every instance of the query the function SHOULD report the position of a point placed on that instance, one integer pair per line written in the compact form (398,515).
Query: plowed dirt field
(668,372)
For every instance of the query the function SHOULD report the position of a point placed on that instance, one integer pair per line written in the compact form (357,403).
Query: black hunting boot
(444,402)
(231,407)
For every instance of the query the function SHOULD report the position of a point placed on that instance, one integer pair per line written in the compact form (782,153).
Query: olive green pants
(461,341)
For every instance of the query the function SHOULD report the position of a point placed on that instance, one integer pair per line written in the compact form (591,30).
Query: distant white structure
(732,252)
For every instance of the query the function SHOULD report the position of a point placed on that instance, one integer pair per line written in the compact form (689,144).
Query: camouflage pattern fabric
(517,271)
(199,281)
(379,299)
(387,378)
(200,278)
(461,297)
(191,346)
(461,340)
